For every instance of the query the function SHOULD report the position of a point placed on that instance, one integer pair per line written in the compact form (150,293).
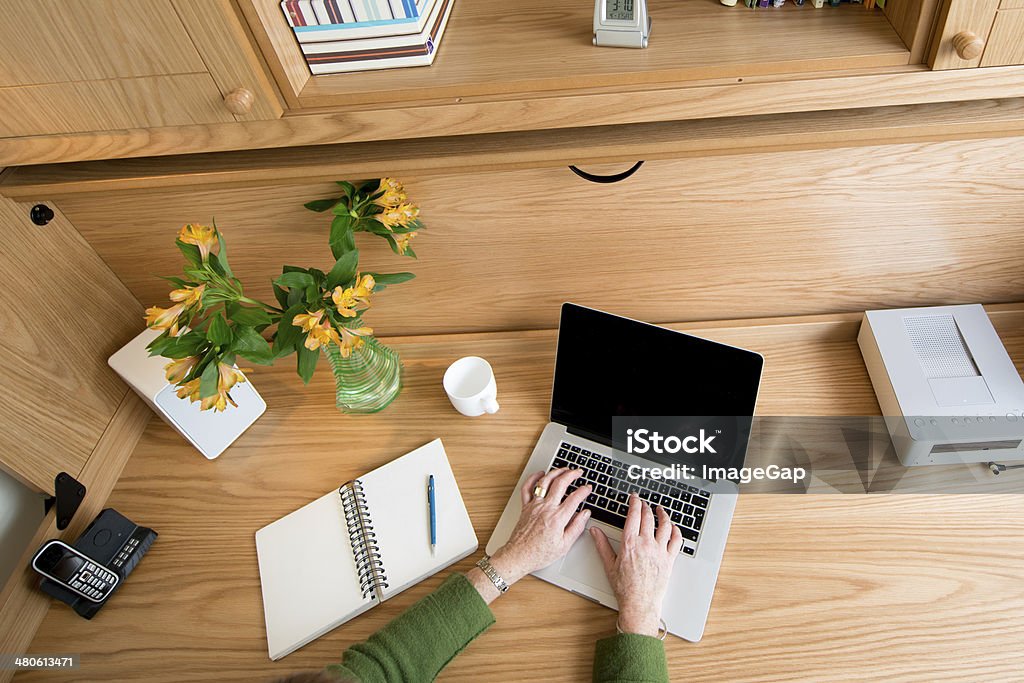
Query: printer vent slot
(940,347)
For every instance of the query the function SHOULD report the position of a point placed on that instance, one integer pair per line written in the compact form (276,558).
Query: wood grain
(746,235)
(1006,41)
(958,16)
(228,54)
(829,587)
(62,314)
(56,41)
(556,110)
(913,21)
(116,104)
(505,151)
(552,44)
(22,605)
(279,46)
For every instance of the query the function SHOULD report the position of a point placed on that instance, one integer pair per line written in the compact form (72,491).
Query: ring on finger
(540,491)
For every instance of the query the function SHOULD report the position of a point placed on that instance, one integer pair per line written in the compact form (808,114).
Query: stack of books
(338,36)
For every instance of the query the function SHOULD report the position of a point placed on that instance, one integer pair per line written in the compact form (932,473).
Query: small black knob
(41,214)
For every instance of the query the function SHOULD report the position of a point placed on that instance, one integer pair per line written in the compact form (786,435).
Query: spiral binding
(369,567)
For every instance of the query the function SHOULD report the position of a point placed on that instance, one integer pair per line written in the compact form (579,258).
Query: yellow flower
(189,296)
(203,236)
(219,402)
(228,376)
(177,370)
(394,193)
(355,298)
(307,321)
(190,390)
(164,318)
(317,333)
(402,241)
(398,216)
(351,339)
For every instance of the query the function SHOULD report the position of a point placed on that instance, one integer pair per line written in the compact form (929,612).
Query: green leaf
(346,187)
(288,335)
(213,261)
(177,281)
(250,344)
(318,276)
(293,269)
(281,296)
(344,269)
(393,243)
(321,205)
(190,252)
(296,296)
(307,363)
(251,316)
(208,380)
(342,238)
(410,253)
(223,255)
(294,280)
(219,333)
(391,278)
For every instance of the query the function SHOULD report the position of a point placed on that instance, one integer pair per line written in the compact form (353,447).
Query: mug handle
(490,405)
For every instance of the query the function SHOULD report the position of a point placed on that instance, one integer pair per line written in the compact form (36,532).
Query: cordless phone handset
(74,571)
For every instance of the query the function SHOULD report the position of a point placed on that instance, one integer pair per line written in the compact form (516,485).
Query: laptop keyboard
(609,500)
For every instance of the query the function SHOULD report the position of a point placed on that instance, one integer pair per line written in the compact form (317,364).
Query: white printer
(947,388)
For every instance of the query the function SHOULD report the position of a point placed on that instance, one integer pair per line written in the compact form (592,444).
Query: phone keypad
(126,552)
(93,580)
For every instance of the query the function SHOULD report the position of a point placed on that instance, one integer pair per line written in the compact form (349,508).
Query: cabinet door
(979,33)
(963,32)
(1006,40)
(62,314)
(72,66)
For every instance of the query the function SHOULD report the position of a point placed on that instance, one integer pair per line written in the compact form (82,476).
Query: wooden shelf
(206,510)
(528,46)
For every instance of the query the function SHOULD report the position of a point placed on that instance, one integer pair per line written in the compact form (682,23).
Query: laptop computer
(607,366)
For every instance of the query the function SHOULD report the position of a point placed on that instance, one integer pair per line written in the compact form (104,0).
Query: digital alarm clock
(621,23)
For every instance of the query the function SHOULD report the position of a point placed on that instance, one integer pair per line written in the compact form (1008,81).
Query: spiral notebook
(359,545)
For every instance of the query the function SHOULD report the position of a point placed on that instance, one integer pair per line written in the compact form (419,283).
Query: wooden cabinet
(76,66)
(979,33)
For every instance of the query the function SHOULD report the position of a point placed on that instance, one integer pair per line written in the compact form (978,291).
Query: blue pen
(433,514)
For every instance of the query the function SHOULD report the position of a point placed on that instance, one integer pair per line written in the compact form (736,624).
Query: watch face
(619,10)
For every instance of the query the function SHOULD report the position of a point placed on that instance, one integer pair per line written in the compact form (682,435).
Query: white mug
(469,383)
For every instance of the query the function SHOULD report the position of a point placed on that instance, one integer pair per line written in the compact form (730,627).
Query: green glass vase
(368,380)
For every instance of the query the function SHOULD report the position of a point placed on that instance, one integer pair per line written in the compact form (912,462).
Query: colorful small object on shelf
(338,36)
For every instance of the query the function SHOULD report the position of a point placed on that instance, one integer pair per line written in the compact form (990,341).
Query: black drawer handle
(607,178)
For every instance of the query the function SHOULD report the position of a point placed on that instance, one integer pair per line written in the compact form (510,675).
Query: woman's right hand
(640,571)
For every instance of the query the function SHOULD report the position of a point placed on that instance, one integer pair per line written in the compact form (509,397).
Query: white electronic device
(947,388)
(209,431)
(621,23)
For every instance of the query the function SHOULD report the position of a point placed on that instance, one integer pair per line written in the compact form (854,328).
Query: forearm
(630,658)
(418,643)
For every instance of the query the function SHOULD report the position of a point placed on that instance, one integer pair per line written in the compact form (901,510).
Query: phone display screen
(66,567)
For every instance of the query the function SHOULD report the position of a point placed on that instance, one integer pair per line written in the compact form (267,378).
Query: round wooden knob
(239,101)
(968,45)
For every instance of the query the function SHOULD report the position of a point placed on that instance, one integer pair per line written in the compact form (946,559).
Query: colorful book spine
(327,20)
(381,53)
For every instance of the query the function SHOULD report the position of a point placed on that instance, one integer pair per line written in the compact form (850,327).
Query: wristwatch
(491,573)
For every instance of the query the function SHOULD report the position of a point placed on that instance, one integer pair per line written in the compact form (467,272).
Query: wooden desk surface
(815,588)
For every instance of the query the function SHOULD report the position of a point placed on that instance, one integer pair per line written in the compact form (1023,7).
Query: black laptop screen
(608,366)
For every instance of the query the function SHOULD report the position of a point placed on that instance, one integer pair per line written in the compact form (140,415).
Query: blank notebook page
(308,574)
(396,497)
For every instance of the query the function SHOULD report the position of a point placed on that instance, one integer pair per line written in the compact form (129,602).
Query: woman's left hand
(547,527)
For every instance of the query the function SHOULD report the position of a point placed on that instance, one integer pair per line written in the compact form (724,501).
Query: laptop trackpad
(583,564)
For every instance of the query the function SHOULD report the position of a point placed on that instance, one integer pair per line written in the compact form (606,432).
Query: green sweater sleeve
(418,643)
(630,658)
